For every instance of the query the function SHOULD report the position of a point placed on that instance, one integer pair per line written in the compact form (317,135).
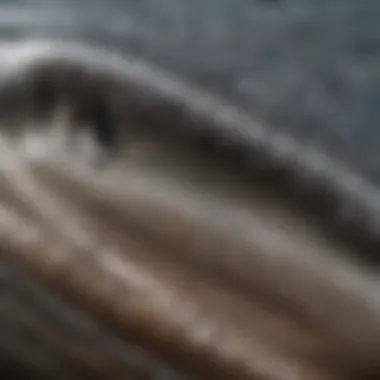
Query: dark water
(310,66)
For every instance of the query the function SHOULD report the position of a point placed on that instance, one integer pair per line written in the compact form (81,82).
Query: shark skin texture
(278,102)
